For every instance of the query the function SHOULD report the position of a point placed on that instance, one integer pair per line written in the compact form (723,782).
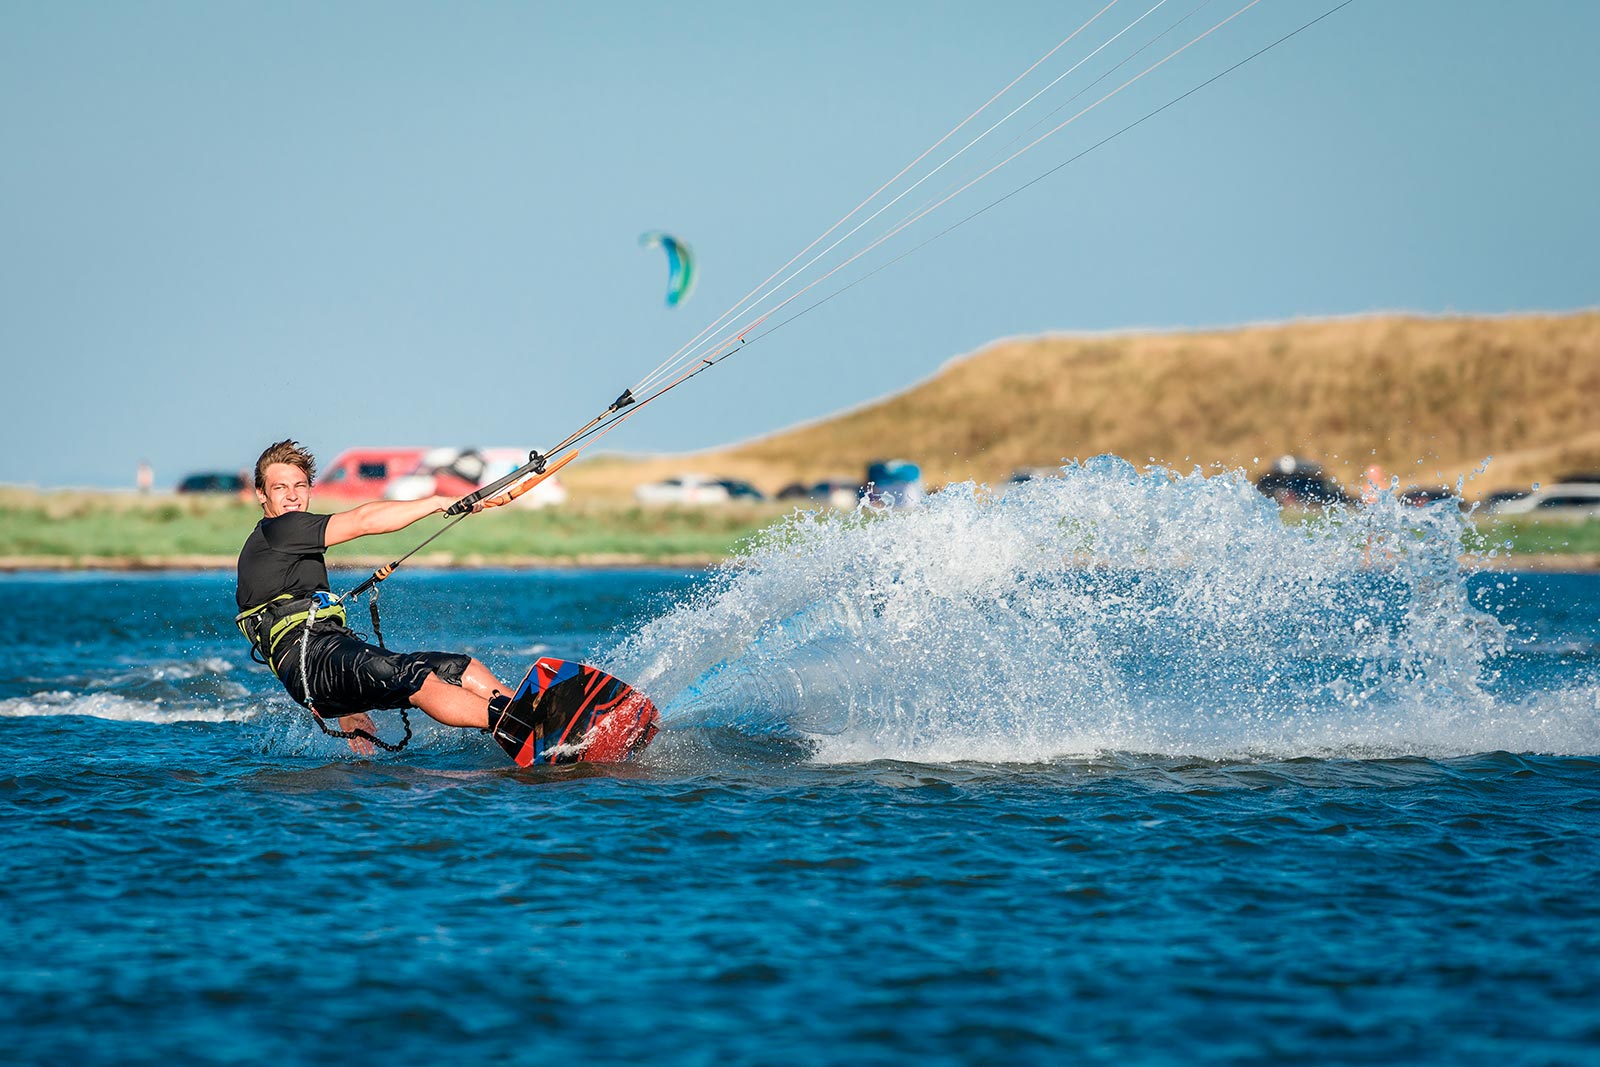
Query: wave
(196,689)
(120,707)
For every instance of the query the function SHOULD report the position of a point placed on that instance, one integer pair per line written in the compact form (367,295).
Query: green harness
(266,625)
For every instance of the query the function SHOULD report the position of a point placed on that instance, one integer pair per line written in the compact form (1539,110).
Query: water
(1118,768)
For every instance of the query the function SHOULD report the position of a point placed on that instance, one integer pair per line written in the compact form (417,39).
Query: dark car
(1420,496)
(213,482)
(837,492)
(1300,483)
(1503,496)
(738,490)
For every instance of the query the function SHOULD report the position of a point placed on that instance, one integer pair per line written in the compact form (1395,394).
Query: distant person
(1374,480)
(146,477)
(282,566)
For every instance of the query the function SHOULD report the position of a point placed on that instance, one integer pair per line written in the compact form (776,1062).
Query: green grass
(86,526)
(1535,537)
(575,533)
(78,525)
(82,527)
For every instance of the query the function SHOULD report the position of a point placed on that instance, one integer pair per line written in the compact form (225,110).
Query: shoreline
(1549,562)
(439,561)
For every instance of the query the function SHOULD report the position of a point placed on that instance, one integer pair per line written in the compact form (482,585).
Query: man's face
(288,489)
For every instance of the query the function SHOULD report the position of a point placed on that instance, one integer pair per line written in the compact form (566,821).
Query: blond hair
(286,451)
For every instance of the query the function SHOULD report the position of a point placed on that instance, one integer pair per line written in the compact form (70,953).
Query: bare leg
(463,705)
(481,682)
(452,705)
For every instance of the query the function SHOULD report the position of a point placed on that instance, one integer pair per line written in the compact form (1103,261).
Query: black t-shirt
(283,555)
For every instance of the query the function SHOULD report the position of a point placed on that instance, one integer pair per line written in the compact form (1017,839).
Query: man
(325,666)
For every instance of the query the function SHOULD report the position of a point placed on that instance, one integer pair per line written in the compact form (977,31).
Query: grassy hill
(1429,399)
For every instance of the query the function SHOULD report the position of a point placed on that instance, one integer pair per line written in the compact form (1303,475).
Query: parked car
(896,483)
(214,482)
(744,491)
(361,474)
(1493,501)
(684,489)
(1300,483)
(458,471)
(1567,500)
(1420,496)
(835,492)
(499,462)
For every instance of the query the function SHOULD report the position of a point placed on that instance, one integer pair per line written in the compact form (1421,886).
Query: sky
(409,223)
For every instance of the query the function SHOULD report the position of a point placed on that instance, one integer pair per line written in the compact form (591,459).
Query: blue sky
(417,223)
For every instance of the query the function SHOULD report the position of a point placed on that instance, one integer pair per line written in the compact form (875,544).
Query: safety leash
(323,599)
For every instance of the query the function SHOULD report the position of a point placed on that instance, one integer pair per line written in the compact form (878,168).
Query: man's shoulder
(291,519)
(294,530)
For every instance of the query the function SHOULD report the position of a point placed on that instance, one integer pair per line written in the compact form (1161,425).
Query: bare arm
(381,516)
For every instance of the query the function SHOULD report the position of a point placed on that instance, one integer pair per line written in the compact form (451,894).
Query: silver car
(1566,500)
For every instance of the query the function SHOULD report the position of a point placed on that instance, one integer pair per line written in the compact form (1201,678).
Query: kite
(680,265)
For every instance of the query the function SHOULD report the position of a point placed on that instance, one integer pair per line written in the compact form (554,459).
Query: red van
(357,475)
(458,471)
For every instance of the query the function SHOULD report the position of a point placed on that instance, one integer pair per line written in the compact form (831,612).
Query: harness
(266,626)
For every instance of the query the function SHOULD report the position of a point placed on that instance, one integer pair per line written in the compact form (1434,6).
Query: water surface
(1116,769)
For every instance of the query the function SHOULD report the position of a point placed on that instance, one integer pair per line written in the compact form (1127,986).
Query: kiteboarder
(303,637)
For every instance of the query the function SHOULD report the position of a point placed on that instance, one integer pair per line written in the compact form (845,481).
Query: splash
(1102,610)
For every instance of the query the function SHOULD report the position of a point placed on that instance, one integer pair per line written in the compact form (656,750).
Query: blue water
(1114,769)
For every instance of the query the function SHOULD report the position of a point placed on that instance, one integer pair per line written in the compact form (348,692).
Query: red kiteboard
(566,712)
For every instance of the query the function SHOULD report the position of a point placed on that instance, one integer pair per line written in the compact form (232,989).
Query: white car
(684,489)
(1566,500)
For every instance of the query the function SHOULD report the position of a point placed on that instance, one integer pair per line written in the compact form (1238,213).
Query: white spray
(1102,610)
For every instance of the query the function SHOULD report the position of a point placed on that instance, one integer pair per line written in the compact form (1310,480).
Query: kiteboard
(569,712)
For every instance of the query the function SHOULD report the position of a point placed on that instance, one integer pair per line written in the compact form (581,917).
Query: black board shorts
(348,675)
